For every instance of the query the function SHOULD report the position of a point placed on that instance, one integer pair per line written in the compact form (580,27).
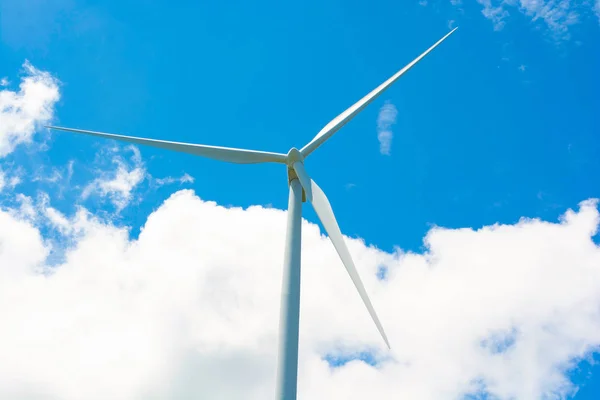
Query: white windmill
(302,188)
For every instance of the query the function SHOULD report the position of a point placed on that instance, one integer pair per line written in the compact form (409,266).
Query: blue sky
(500,122)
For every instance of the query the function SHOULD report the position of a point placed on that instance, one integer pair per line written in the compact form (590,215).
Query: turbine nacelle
(293,156)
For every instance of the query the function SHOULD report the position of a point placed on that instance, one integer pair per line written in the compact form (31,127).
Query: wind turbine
(302,188)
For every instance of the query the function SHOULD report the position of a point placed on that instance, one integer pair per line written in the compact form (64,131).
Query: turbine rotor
(294,160)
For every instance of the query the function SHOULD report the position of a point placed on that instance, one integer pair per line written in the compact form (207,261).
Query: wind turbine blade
(227,154)
(323,209)
(341,120)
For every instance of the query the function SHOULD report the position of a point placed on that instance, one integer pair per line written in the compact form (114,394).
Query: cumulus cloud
(385,120)
(23,111)
(190,308)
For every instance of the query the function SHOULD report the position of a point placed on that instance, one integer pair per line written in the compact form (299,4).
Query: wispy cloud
(23,111)
(185,178)
(118,185)
(557,15)
(41,175)
(9,179)
(496,14)
(2,180)
(385,120)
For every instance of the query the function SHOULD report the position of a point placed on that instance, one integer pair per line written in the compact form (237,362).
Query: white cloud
(4,82)
(496,14)
(118,185)
(58,220)
(8,182)
(185,178)
(193,305)
(52,177)
(26,210)
(557,15)
(423,3)
(385,120)
(14,181)
(22,112)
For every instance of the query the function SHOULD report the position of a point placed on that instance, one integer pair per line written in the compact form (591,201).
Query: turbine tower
(302,188)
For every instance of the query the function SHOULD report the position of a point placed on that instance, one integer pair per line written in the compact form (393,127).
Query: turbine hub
(293,156)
